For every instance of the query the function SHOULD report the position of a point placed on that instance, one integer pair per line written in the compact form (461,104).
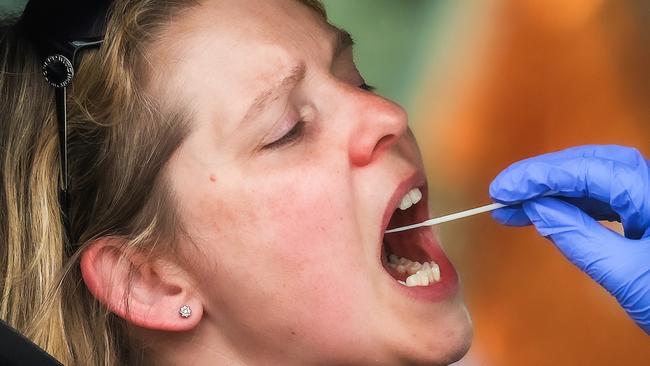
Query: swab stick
(451,217)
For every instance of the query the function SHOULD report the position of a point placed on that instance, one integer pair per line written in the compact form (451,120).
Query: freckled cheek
(304,245)
(207,213)
(314,240)
(315,279)
(313,223)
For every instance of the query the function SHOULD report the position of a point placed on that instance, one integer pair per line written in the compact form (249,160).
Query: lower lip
(444,289)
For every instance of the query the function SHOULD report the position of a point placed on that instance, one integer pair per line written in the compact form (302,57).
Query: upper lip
(416,179)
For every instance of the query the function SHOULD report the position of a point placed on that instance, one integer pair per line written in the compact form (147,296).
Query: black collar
(16,350)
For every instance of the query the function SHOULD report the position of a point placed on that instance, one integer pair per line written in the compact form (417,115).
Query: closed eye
(292,136)
(297,131)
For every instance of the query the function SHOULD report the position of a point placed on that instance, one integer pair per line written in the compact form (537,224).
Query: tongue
(406,244)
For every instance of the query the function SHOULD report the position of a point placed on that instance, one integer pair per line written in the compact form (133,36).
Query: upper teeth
(412,197)
(420,274)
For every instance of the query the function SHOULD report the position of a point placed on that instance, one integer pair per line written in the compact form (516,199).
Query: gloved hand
(588,183)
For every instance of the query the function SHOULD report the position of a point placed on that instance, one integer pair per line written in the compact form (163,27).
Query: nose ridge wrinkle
(381,124)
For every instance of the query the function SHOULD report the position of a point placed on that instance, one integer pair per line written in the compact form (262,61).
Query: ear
(145,292)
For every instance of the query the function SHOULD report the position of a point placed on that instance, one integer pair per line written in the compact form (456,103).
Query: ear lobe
(146,293)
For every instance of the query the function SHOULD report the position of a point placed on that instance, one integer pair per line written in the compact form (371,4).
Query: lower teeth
(420,274)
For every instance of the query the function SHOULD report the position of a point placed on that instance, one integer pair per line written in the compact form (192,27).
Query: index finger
(613,181)
(500,186)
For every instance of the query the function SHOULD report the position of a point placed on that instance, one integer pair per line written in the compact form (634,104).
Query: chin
(446,344)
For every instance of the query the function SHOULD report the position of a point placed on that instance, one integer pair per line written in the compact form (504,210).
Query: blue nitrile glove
(588,182)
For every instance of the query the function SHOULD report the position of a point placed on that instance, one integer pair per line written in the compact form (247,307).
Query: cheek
(307,244)
(291,250)
(313,231)
(315,264)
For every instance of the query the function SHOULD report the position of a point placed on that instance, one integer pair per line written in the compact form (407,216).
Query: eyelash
(297,131)
(293,135)
(367,87)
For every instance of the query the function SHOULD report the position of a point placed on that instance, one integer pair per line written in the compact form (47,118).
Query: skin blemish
(213,178)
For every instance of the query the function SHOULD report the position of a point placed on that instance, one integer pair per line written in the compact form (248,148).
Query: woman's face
(286,184)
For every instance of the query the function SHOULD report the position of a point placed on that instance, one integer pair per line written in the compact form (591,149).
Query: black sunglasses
(59,30)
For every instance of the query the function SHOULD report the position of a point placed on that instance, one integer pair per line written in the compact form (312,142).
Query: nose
(379,125)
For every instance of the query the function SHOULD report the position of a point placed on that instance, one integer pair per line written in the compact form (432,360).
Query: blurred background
(490,82)
(487,83)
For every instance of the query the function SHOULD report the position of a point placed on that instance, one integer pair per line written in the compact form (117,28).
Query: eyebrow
(342,40)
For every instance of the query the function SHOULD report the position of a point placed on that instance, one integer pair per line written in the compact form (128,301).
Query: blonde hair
(119,139)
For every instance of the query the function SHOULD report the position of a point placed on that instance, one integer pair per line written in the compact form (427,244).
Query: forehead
(228,50)
(251,17)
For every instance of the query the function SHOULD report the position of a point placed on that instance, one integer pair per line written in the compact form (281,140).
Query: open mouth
(405,255)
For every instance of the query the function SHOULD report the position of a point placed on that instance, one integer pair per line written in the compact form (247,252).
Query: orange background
(537,76)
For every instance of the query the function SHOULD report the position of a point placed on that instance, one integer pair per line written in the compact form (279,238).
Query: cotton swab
(451,217)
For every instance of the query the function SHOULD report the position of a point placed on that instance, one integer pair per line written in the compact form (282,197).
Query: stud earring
(185,311)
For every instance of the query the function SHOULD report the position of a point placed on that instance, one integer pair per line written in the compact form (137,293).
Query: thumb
(582,240)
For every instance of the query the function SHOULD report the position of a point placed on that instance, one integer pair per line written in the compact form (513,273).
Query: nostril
(365,151)
(384,143)
(380,126)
